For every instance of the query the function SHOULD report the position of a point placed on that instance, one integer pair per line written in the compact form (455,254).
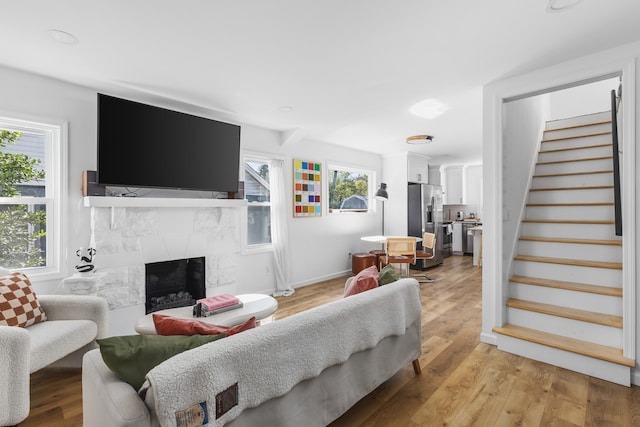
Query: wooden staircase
(564,304)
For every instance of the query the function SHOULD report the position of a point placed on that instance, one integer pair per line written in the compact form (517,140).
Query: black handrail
(617,200)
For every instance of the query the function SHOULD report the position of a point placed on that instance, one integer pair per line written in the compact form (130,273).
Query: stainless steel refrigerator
(425,215)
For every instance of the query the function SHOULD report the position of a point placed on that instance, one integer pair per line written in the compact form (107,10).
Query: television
(141,145)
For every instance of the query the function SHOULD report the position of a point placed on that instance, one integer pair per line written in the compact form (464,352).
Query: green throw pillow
(387,275)
(131,357)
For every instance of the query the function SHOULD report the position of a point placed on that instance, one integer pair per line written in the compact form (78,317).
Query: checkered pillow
(18,303)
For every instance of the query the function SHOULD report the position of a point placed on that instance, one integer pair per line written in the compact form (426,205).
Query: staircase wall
(522,135)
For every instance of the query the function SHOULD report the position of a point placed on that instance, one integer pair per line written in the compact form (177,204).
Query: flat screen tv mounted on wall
(142,145)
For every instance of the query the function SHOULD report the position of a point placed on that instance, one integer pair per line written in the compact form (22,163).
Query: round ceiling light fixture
(428,108)
(419,139)
(555,6)
(63,37)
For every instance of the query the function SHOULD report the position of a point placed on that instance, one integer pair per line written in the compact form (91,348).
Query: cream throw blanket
(268,361)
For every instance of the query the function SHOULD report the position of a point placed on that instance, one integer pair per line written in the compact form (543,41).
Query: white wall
(319,246)
(584,99)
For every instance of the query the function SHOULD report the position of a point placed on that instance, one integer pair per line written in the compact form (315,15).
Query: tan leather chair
(400,250)
(428,252)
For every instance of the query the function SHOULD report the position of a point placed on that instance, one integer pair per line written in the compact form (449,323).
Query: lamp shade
(382,194)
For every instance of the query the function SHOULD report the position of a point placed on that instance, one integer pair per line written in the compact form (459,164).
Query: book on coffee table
(218,301)
(207,313)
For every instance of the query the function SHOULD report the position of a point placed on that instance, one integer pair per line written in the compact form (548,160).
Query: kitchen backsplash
(450,212)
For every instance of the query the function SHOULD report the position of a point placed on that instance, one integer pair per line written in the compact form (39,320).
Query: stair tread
(586,187)
(586,159)
(596,351)
(582,147)
(570,286)
(569,221)
(564,138)
(549,175)
(566,312)
(605,122)
(567,261)
(570,240)
(571,204)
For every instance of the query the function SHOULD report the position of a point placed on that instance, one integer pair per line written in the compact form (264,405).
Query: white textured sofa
(304,370)
(73,324)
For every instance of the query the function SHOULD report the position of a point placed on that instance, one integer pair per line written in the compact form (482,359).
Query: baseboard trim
(321,279)
(489,338)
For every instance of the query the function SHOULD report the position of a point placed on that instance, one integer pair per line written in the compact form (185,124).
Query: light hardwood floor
(463,382)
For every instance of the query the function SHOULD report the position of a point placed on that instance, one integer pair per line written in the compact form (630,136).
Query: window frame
(371,188)
(244,216)
(55,167)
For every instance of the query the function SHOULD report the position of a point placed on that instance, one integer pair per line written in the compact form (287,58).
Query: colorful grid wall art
(307,188)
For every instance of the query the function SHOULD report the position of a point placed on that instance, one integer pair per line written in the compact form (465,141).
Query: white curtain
(279,231)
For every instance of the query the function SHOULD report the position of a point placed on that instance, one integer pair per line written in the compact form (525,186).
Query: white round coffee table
(258,305)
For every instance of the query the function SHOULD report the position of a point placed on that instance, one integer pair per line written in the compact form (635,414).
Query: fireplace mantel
(155,202)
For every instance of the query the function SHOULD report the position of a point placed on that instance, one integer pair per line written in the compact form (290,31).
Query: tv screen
(141,145)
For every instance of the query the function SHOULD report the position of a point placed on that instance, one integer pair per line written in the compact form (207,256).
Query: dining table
(382,239)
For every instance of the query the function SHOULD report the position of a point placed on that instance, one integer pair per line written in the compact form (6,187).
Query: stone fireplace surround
(129,233)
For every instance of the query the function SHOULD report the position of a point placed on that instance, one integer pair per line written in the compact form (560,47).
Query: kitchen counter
(477,244)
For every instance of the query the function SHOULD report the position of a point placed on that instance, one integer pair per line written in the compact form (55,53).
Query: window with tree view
(27,194)
(258,194)
(349,189)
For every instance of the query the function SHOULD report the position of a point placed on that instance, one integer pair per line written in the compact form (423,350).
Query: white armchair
(72,327)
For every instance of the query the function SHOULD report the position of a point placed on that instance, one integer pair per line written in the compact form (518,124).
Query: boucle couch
(72,326)
(304,370)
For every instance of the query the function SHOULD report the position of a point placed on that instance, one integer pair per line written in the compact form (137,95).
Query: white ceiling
(350,69)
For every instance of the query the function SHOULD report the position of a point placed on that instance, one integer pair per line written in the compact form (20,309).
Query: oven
(447,238)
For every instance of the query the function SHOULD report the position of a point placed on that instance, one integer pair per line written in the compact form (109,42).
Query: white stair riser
(585,331)
(575,231)
(582,153)
(606,253)
(587,119)
(569,273)
(573,180)
(599,195)
(572,299)
(579,131)
(587,141)
(591,213)
(570,167)
(596,368)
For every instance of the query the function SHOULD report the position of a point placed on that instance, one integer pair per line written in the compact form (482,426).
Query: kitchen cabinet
(435,176)
(457,238)
(417,168)
(453,185)
(463,185)
(473,185)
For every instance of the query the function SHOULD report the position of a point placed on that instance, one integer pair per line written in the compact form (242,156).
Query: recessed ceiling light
(428,108)
(419,139)
(285,108)
(63,37)
(555,6)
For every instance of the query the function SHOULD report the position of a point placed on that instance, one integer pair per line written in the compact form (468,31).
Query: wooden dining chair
(428,252)
(400,250)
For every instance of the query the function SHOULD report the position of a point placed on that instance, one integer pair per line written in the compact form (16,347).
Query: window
(349,189)
(30,192)
(257,192)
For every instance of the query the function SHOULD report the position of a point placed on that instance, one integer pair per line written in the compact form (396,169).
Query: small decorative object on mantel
(85,265)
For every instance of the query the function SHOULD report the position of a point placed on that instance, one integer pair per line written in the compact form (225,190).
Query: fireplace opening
(171,284)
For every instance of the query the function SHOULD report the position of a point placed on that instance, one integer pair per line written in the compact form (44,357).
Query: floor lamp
(383,196)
